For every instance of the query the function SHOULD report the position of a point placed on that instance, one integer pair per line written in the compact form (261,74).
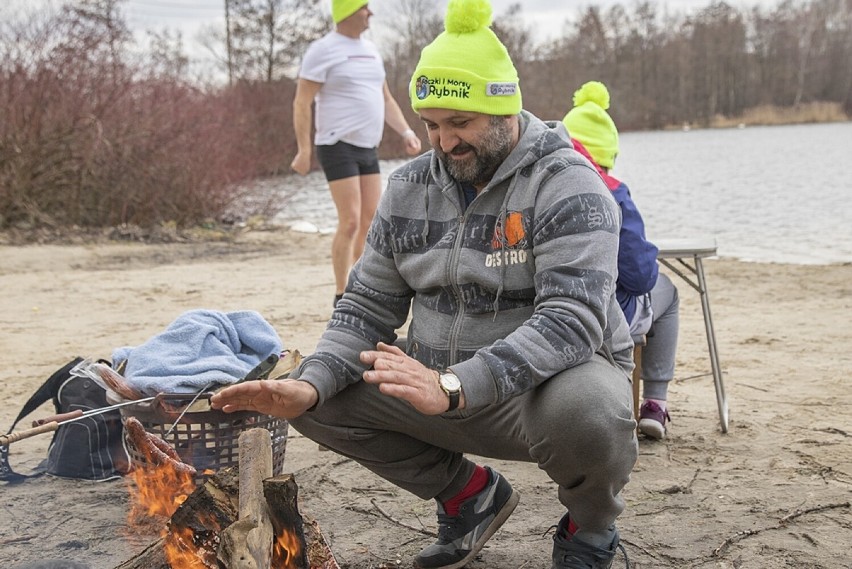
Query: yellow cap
(342,9)
(466,68)
(589,123)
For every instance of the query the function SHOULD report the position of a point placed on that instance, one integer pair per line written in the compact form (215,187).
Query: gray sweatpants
(658,355)
(578,427)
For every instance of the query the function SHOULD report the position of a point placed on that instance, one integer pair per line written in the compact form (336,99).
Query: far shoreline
(771,115)
(222,241)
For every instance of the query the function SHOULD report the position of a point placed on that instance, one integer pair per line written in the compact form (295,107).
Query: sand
(772,492)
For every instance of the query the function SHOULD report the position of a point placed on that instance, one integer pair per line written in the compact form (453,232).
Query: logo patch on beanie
(422,87)
(501,89)
(441,87)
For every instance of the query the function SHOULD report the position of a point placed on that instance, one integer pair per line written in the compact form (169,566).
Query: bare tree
(419,22)
(264,40)
(515,35)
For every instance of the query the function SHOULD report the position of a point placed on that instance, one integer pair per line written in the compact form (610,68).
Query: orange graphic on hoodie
(511,231)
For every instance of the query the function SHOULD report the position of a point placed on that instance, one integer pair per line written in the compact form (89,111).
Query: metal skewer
(51,426)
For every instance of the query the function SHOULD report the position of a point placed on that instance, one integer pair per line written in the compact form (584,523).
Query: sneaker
(575,553)
(461,537)
(652,420)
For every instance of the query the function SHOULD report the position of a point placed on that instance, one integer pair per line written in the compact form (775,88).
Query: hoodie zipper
(452,278)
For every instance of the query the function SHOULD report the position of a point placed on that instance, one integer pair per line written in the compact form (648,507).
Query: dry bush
(89,137)
(265,123)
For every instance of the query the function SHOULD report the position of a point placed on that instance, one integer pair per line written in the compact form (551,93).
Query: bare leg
(356,199)
(371,191)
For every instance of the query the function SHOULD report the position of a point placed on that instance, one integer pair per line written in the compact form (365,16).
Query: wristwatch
(451,385)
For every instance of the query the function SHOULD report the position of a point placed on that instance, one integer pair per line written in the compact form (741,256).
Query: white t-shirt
(350,105)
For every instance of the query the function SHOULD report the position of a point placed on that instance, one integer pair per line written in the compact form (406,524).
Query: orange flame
(286,551)
(188,548)
(159,491)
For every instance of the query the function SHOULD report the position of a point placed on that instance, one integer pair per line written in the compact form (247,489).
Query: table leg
(721,399)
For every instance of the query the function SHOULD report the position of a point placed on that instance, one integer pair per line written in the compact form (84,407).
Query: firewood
(320,555)
(221,511)
(152,557)
(281,495)
(212,506)
(247,543)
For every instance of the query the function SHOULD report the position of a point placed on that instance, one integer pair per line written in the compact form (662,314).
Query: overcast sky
(549,15)
(190,16)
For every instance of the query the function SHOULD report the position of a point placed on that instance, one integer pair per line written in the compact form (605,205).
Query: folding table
(684,258)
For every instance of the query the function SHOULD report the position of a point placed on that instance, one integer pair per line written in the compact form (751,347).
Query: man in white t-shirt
(344,74)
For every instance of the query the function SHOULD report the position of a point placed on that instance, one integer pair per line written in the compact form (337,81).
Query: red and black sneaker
(570,552)
(461,537)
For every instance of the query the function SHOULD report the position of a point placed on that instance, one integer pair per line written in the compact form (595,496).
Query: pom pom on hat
(342,9)
(589,123)
(592,92)
(464,17)
(466,68)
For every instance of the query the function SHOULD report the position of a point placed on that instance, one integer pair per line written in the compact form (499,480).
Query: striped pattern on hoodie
(509,292)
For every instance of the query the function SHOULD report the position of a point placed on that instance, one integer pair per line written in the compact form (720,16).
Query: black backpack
(91,448)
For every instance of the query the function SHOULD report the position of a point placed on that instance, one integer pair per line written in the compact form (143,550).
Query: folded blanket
(199,348)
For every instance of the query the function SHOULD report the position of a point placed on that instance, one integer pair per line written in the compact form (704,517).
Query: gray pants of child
(578,427)
(658,355)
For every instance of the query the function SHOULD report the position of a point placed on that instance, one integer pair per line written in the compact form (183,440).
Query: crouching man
(503,242)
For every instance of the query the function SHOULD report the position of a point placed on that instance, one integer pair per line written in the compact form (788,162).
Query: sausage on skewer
(156,451)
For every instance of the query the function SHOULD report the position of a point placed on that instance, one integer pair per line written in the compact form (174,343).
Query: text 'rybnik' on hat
(589,123)
(342,9)
(466,68)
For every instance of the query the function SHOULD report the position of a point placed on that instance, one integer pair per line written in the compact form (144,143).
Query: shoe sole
(652,429)
(492,528)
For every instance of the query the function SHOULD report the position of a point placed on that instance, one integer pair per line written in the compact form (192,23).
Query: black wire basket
(206,438)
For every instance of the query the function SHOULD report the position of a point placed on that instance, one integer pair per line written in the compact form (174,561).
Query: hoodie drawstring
(503,215)
(425,233)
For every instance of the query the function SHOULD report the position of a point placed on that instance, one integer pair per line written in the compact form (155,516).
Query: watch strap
(455,396)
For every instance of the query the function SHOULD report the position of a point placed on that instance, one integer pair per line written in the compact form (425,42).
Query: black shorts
(343,160)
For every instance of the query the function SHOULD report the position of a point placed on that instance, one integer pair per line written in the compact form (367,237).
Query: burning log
(152,557)
(319,553)
(291,551)
(191,539)
(240,518)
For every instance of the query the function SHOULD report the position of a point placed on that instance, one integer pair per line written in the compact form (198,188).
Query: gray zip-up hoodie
(508,292)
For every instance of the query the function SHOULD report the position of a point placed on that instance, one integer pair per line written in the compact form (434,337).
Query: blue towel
(199,348)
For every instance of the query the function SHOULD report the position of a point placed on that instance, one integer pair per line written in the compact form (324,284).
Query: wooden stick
(399,523)
(59,418)
(27,433)
(247,544)
(781,523)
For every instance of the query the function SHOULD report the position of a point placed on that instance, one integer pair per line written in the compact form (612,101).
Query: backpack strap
(44,393)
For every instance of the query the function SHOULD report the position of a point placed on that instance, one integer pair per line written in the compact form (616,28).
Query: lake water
(767,194)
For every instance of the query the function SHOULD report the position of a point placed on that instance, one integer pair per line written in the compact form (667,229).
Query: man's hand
(412,142)
(403,377)
(285,398)
(301,164)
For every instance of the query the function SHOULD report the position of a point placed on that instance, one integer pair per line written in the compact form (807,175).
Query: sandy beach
(774,491)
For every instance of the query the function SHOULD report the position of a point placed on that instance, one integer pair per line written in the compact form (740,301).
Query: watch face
(450,382)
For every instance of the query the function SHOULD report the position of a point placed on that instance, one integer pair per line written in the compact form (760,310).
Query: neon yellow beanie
(342,9)
(466,68)
(589,123)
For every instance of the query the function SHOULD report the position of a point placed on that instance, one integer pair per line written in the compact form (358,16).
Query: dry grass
(815,112)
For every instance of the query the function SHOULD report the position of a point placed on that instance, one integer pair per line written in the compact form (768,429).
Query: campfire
(238,517)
